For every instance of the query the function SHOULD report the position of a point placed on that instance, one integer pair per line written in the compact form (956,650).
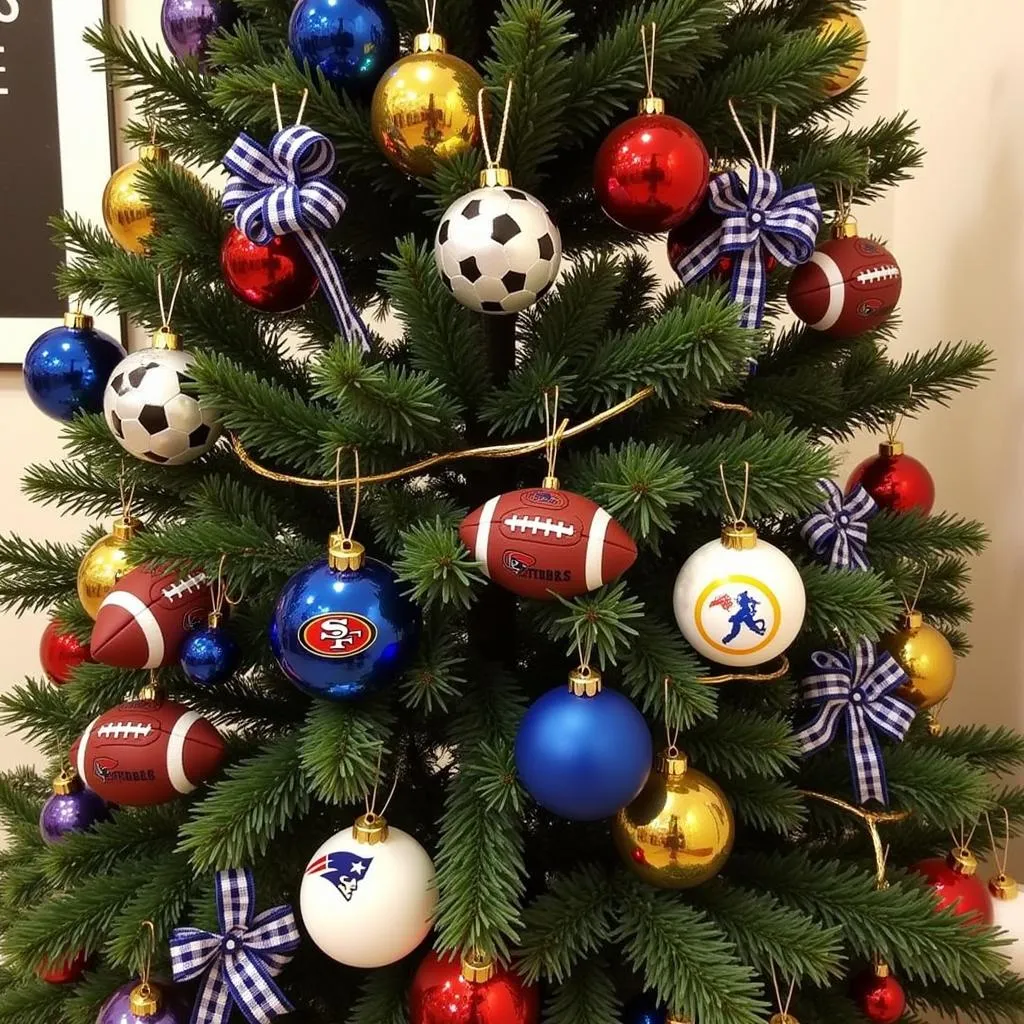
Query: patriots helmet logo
(343,870)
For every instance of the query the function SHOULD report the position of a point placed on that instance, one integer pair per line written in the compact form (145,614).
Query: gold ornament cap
(678,1018)
(145,1000)
(165,338)
(77,320)
(66,783)
(429,42)
(934,725)
(151,691)
(672,763)
(845,228)
(881,969)
(783,1018)
(913,620)
(1003,887)
(739,538)
(551,483)
(370,829)
(890,449)
(125,527)
(651,105)
(495,177)
(584,681)
(344,554)
(478,967)
(158,154)
(214,619)
(962,861)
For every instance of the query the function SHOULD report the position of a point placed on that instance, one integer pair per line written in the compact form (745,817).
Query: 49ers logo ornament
(337,634)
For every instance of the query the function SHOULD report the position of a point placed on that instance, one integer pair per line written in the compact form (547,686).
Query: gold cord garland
(749,677)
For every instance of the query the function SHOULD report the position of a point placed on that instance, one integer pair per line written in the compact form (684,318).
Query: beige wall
(958,231)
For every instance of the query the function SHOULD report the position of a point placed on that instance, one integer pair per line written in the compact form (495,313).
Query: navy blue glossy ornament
(583,752)
(644,1009)
(209,655)
(353,42)
(67,368)
(342,627)
(70,808)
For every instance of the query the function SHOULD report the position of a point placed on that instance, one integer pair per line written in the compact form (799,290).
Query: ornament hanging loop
(782,1017)
(372,827)
(767,156)
(554,432)
(494,174)
(344,553)
(1002,883)
(738,521)
(145,1000)
(671,732)
(650,104)
(168,312)
(277,106)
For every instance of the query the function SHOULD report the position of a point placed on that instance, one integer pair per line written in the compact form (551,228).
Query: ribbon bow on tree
(241,963)
(839,531)
(287,191)
(857,688)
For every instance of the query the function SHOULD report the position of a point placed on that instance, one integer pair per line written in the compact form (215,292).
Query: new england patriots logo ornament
(342,869)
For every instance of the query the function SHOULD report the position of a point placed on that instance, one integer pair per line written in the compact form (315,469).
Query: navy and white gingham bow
(839,531)
(287,191)
(857,688)
(240,964)
(762,219)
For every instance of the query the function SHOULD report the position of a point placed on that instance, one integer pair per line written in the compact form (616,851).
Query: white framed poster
(57,153)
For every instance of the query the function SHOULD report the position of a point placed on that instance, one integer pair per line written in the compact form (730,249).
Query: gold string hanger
(961,857)
(738,521)
(1002,886)
(344,553)
(277,106)
(431,9)
(584,680)
(767,155)
(671,734)
(221,597)
(895,425)
(650,104)
(127,497)
(372,827)
(145,999)
(494,175)
(910,607)
(782,1017)
(554,431)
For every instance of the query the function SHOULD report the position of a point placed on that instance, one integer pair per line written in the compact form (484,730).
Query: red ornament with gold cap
(879,995)
(955,882)
(897,481)
(64,970)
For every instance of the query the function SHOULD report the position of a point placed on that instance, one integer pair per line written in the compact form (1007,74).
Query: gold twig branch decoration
(749,677)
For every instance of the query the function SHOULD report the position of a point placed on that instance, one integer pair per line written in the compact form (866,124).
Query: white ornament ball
(497,250)
(1008,914)
(151,416)
(739,601)
(369,903)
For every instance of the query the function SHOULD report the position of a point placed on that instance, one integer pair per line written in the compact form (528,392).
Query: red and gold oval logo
(337,634)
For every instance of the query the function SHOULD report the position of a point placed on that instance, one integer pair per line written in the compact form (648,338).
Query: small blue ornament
(583,752)
(342,627)
(209,655)
(353,42)
(67,368)
(644,1009)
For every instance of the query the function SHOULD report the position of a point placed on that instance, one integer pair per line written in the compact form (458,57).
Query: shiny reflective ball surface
(127,214)
(188,24)
(117,1010)
(209,655)
(897,482)
(62,972)
(441,995)
(927,658)
(881,999)
(965,894)
(273,278)
(60,653)
(845,76)
(65,813)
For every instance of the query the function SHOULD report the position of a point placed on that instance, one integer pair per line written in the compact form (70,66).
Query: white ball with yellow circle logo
(739,600)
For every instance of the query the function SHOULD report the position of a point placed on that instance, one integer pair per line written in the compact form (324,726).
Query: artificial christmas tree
(657,408)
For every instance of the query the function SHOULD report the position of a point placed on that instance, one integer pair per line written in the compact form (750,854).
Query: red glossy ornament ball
(62,972)
(957,886)
(651,173)
(684,237)
(879,995)
(445,992)
(274,278)
(897,481)
(60,653)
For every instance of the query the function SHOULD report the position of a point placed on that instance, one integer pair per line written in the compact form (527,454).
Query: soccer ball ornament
(497,250)
(148,411)
(739,601)
(368,894)
(1008,916)
(475,991)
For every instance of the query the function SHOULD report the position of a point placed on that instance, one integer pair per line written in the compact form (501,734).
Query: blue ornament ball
(353,42)
(644,1009)
(339,633)
(73,809)
(583,757)
(209,655)
(67,368)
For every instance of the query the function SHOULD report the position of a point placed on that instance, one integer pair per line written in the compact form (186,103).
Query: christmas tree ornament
(141,1003)
(927,658)
(583,752)
(66,369)
(62,972)
(898,482)
(60,653)
(1007,906)
(273,278)
(651,172)
(105,563)
(209,655)
(147,751)
(188,24)
(954,881)
(838,532)
(843,79)
(497,249)
(879,995)
(241,961)
(70,808)
(849,285)
(350,41)
(368,894)
(679,831)
(126,211)
(644,1009)
(684,238)
(424,108)
(474,991)
(857,689)
(286,191)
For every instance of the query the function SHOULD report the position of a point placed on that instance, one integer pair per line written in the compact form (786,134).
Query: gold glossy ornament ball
(425,107)
(679,831)
(925,655)
(104,564)
(128,216)
(849,73)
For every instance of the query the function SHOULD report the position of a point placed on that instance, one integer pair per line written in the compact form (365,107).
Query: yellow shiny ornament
(848,73)
(925,655)
(679,831)
(425,107)
(128,216)
(105,563)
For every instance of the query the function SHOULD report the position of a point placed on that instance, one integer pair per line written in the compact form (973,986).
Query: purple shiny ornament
(64,813)
(117,1009)
(187,25)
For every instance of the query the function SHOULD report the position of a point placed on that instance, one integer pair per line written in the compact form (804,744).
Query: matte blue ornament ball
(342,633)
(67,368)
(353,42)
(209,655)
(65,813)
(583,757)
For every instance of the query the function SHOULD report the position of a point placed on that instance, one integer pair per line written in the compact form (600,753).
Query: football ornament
(850,285)
(146,752)
(739,601)
(144,620)
(368,894)
(149,412)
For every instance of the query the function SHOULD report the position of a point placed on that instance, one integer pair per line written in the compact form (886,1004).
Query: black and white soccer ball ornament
(148,411)
(497,250)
